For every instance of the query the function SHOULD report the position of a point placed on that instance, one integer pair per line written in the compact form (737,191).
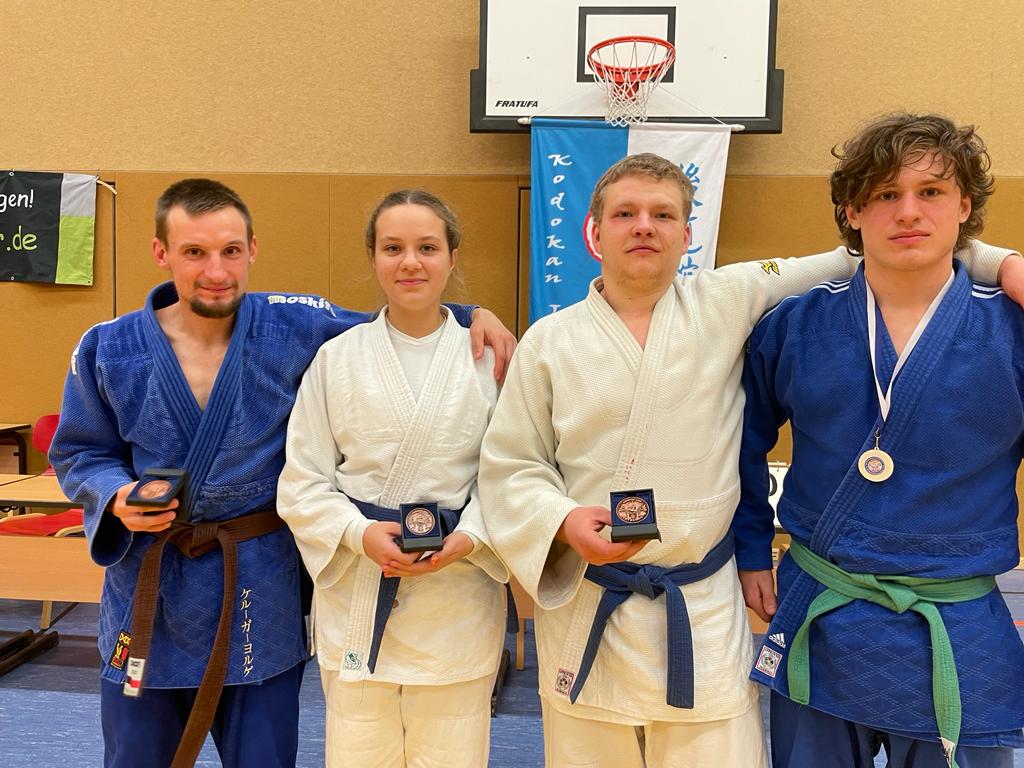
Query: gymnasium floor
(49,708)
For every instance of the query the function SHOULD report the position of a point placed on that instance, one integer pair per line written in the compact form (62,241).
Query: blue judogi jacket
(949,510)
(127,407)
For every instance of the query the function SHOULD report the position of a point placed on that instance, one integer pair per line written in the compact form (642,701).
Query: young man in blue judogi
(904,388)
(206,634)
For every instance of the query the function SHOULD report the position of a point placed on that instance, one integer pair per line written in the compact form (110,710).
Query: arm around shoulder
(760,285)
(985,262)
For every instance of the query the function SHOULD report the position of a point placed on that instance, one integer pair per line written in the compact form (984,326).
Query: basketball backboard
(533,61)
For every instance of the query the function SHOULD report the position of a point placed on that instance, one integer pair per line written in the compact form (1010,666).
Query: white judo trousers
(385,725)
(357,431)
(577,742)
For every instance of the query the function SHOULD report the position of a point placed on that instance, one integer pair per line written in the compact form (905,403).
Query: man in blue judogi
(205,634)
(904,388)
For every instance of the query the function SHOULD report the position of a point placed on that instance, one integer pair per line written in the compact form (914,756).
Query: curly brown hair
(875,155)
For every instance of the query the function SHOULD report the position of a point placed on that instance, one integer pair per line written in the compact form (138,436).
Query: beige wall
(333,86)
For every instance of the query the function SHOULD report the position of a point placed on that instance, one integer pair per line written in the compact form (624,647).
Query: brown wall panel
(488,209)
(43,323)
(523,321)
(770,217)
(290,221)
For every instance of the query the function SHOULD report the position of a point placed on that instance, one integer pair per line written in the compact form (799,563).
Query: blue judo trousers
(804,737)
(145,732)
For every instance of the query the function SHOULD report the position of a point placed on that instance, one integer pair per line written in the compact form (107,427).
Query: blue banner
(567,159)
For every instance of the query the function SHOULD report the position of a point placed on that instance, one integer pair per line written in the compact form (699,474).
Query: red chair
(66,523)
(42,435)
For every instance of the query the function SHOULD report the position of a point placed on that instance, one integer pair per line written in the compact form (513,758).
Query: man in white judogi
(638,386)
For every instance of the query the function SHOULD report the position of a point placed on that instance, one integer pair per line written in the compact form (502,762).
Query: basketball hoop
(630,69)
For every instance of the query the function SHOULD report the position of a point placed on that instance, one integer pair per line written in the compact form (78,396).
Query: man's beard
(215,311)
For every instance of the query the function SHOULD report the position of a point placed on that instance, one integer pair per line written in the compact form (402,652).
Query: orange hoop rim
(621,75)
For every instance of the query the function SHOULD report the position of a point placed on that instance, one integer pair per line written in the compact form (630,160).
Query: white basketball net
(629,70)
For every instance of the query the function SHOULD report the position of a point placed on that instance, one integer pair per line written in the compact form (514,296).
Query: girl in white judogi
(389,413)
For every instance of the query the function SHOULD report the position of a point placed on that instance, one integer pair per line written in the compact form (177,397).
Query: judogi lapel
(205,428)
(907,391)
(417,417)
(643,365)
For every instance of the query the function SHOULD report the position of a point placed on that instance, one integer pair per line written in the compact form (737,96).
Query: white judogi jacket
(558,441)
(357,430)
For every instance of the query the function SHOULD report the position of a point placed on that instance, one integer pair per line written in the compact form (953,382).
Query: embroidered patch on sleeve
(768,661)
(770,267)
(120,655)
(563,681)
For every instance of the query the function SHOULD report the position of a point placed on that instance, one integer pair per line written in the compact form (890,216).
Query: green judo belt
(899,594)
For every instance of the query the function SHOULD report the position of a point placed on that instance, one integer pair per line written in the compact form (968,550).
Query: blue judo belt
(388,589)
(621,580)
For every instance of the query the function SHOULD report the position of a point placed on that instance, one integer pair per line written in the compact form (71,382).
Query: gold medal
(875,464)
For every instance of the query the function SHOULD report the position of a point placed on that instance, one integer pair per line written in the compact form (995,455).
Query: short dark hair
(199,196)
(643,164)
(875,155)
(452,230)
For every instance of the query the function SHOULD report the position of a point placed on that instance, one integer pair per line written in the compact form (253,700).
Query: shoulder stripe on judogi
(986,291)
(832,286)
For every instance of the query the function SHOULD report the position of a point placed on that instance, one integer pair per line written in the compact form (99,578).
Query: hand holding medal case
(158,487)
(633,515)
(421,527)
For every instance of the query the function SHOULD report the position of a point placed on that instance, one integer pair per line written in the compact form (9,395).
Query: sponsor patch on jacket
(563,681)
(779,639)
(770,267)
(768,661)
(120,655)
(316,302)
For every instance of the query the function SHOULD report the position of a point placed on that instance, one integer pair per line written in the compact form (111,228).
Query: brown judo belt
(193,540)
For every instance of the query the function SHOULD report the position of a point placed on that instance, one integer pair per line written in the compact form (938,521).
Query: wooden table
(41,567)
(14,431)
(32,491)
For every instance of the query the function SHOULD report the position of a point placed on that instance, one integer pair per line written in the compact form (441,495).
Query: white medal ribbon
(875,464)
(885,398)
